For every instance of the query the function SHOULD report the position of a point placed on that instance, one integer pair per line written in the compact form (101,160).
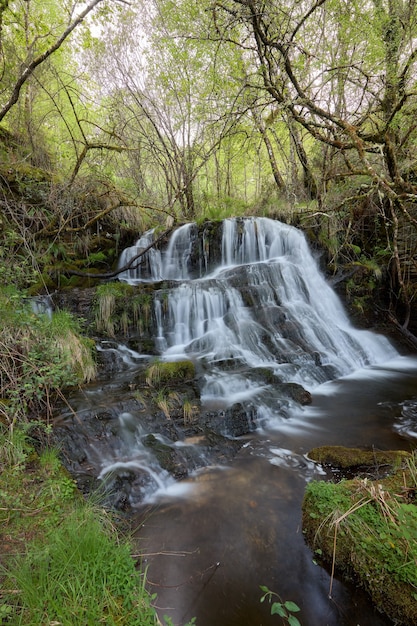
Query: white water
(265,304)
(259,305)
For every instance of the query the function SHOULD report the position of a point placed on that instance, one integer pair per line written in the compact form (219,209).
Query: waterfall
(154,266)
(255,300)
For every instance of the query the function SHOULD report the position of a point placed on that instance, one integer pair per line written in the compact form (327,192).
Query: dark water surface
(217,537)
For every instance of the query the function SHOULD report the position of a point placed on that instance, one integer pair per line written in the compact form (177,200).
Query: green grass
(63,560)
(78,573)
(367,530)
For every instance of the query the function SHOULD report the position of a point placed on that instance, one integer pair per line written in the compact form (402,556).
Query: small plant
(188,411)
(412,469)
(166,401)
(154,374)
(283,609)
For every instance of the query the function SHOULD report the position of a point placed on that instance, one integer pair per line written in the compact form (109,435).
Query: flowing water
(255,314)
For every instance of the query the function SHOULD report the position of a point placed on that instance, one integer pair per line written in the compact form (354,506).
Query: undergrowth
(63,561)
(41,355)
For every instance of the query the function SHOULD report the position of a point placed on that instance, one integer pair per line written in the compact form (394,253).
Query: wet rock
(168,458)
(296,392)
(236,421)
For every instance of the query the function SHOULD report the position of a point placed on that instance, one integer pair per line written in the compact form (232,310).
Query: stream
(233,529)
(271,344)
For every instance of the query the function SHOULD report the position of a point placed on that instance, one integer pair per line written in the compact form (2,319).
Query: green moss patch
(162,373)
(367,531)
(340,457)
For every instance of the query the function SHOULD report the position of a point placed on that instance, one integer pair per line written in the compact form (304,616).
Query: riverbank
(365,528)
(64,560)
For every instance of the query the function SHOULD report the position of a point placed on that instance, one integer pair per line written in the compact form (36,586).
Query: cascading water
(246,303)
(258,301)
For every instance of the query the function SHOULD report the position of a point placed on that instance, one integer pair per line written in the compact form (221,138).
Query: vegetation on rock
(366,530)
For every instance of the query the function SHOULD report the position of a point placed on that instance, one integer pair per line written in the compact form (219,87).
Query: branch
(128,266)
(27,73)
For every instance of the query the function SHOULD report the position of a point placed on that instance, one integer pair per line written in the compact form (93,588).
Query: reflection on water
(209,550)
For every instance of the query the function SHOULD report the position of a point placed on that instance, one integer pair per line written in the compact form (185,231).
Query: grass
(121,308)
(166,372)
(367,530)
(63,560)
(41,355)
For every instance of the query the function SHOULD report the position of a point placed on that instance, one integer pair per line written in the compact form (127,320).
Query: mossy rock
(340,457)
(368,531)
(162,373)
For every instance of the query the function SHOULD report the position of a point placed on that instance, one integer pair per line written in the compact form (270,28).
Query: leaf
(278,609)
(292,606)
(293,621)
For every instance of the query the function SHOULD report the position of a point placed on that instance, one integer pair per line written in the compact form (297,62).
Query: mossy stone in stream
(368,530)
(162,373)
(340,457)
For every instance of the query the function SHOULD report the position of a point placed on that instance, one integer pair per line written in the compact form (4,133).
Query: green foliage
(120,308)
(15,266)
(370,529)
(41,355)
(69,564)
(283,609)
(213,208)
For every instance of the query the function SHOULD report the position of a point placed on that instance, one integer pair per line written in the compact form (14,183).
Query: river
(233,529)
(247,304)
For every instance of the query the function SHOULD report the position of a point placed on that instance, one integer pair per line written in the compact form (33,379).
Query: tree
(166,96)
(39,47)
(345,72)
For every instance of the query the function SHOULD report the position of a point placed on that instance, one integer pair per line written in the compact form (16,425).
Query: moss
(165,373)
(342,458)
(369,529)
